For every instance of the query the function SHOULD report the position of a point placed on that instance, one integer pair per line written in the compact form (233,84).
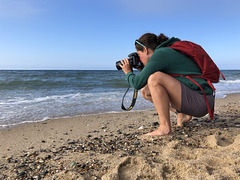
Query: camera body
(134,61)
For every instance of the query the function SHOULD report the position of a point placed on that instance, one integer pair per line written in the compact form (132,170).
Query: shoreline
(110,145)
(66,117)
(82,115)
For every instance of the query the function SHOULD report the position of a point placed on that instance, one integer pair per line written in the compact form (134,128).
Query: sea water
(37,95)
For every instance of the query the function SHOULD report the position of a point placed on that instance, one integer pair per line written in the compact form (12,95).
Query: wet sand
(111,147)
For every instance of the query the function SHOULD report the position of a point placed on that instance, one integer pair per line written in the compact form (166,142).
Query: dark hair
(150,40)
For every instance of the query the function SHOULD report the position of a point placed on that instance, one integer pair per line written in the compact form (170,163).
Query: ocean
(38,95)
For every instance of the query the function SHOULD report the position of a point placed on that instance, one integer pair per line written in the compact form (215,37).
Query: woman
(162,89)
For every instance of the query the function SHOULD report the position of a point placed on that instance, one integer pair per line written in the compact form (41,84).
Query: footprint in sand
(214,141)
(132,168)
(126,169)
(223,142)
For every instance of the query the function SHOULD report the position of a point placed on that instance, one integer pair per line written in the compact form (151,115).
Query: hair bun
(161,38)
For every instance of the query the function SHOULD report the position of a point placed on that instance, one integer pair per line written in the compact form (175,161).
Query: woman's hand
(125,66)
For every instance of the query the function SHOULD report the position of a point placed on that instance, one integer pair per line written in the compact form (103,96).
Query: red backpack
(210,71)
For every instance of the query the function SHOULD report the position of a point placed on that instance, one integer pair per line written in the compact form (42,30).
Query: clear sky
(94,34)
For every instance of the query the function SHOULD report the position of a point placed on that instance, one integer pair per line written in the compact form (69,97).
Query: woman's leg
(145,92)
(147,95)
(181,117)
(164,90)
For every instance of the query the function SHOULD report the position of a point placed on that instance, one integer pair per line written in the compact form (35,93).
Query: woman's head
(150,41)
(147,44)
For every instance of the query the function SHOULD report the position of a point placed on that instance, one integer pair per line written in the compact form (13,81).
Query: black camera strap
(133,99)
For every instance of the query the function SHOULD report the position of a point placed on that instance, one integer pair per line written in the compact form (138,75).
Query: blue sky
(94,34)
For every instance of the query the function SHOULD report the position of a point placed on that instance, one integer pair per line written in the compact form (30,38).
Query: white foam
(236,81)
(22,122)
(19,100)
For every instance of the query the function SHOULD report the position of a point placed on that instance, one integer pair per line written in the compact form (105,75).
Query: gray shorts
(194,103)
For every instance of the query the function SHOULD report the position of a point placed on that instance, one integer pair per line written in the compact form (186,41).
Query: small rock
(123,155)
(44,172)
(179,138)
(36,177)
(41,161)
(155,153)
(72,142)
(119,132)
(155,123)
(56,158)
(21,166)
(21,174)
(137,143)
(8,158)
(72,164)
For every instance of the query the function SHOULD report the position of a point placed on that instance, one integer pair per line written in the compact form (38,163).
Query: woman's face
(144,55)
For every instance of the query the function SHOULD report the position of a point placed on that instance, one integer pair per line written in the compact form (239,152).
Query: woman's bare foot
(182,118)
(159,132)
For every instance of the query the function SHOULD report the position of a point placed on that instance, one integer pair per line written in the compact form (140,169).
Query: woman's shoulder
(163,52)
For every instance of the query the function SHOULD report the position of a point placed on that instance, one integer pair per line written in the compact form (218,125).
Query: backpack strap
(210,111)
(210,84)
(222,75)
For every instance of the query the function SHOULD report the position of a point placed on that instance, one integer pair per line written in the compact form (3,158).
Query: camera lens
(118,63)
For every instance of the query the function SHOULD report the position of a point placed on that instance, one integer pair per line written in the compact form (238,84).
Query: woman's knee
(145,93)
(155,79)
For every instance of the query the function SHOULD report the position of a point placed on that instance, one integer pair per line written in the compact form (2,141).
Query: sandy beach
(111,147)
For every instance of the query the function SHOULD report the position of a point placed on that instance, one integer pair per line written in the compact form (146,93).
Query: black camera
(134,61)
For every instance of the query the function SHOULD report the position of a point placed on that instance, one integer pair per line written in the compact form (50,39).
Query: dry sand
(110,147)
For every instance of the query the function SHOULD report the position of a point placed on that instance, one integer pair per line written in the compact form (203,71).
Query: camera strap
(133,99)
